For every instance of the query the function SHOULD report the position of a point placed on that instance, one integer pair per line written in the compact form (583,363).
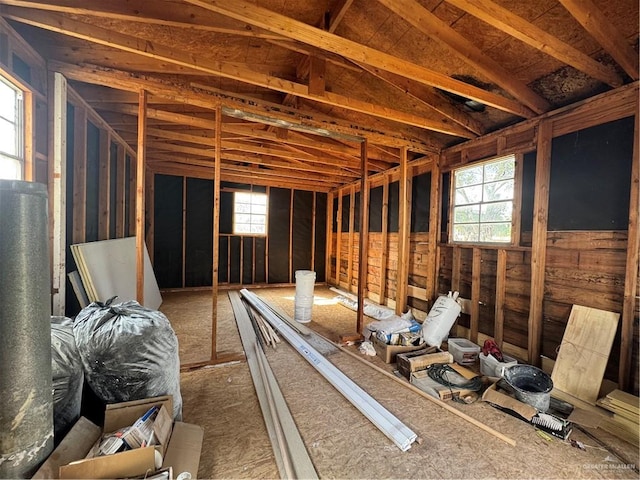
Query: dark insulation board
(72,307)
(113,188)
(444,212)
(528,191)
(199,233)
(302,231)
(261,255)
(590,178)
(235,245)
(128,202)
(356,213)
(279,217)
(375,209)
(346,208)
(321,237)
(223,260)
(247,260)
(421,202)
(394,206)
(226,212)
(167,247)
(335,215)
(92,211)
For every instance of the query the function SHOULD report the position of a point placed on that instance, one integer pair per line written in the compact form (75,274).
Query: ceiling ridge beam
(274,22)
(599,27)
(61,24)
(510,23)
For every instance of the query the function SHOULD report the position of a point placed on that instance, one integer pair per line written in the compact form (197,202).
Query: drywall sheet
(109,269)
(584,352)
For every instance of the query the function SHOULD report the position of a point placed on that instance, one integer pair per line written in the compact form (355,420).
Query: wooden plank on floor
(584,352)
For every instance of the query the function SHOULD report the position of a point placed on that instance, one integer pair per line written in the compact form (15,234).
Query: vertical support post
(291,277)
(184,232)
(384,254)
(58,188)
(140,161)
(104,187)
(404,233)
(501,282)
(432,273)
(29,135)
(79,175)
(631,271)
(150,203)
(539,239)
(216,235)
(120,190)
(352,222)
(363,247)
(313,233)
(339,239)
(476,267)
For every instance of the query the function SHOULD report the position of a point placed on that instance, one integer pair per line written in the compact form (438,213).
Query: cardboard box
(388,352)
(179,447)
(420,359)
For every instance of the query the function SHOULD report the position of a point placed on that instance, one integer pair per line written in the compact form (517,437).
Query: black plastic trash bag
(67,375)
(129,352)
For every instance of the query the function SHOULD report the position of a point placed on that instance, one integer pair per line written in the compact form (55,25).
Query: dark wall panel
(113,188)
(334,225)
(168,231)
(199,233)
(356,213)
(72,306)
(128,203)
(320,237)
(226,212)
(528,191)
(92,212)
(247,260)
(590,172)
(394,206)
(375,209)
(421,202)
(302,231)
(346,208)
(279,215)
(261,255)
(223,260)
(234,259)
(444,212)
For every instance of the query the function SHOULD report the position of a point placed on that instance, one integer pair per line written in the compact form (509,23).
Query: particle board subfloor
(341,442)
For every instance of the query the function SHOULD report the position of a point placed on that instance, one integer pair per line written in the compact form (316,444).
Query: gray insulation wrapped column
(26,416)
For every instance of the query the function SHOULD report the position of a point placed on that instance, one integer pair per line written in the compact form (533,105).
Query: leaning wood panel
(584,352)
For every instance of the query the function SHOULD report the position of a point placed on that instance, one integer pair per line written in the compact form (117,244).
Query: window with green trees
(483,201)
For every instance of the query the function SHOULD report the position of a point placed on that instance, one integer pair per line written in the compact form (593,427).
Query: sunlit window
(483,201)
(250,213)
(11,131)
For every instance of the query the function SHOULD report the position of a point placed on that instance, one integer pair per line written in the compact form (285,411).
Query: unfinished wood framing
(501,280)
(105,185)
(216,237)
(404,219)
(363,237)
(79,175)
(140,168)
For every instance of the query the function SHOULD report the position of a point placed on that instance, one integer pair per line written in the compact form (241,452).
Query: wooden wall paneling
(631,274)
(216,235)
(456,269)
(120,191)
(105,185)
(363,250)
(475,294)
(434,229)
(330,249)
(384,241)
(403,233)
(352,216)
(79,175)
(57,120)
(140,166)
(501,280)
(539,240)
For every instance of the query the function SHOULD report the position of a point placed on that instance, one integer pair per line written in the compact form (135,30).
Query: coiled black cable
(445,375)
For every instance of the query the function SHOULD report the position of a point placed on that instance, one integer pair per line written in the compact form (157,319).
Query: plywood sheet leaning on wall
(584,352)
(108,268)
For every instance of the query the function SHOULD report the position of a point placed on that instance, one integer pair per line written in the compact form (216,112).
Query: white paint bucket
(305,281)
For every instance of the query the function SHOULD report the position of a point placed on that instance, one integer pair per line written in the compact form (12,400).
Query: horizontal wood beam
(277,114)
(280,24)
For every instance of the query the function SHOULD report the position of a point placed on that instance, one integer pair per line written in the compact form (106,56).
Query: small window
(11,131)
(483,202)
(249,213)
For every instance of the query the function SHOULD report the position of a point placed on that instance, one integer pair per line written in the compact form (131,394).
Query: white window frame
(481,203)
(256,207)
(18,123)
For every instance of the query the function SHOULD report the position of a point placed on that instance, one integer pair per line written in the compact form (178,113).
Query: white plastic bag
(440,319)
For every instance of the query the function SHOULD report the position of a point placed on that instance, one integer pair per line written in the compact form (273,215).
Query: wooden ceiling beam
(429,24)
(61,24)
(277,114)
(276,23)
(606,34)
(508,22)
(166,13)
